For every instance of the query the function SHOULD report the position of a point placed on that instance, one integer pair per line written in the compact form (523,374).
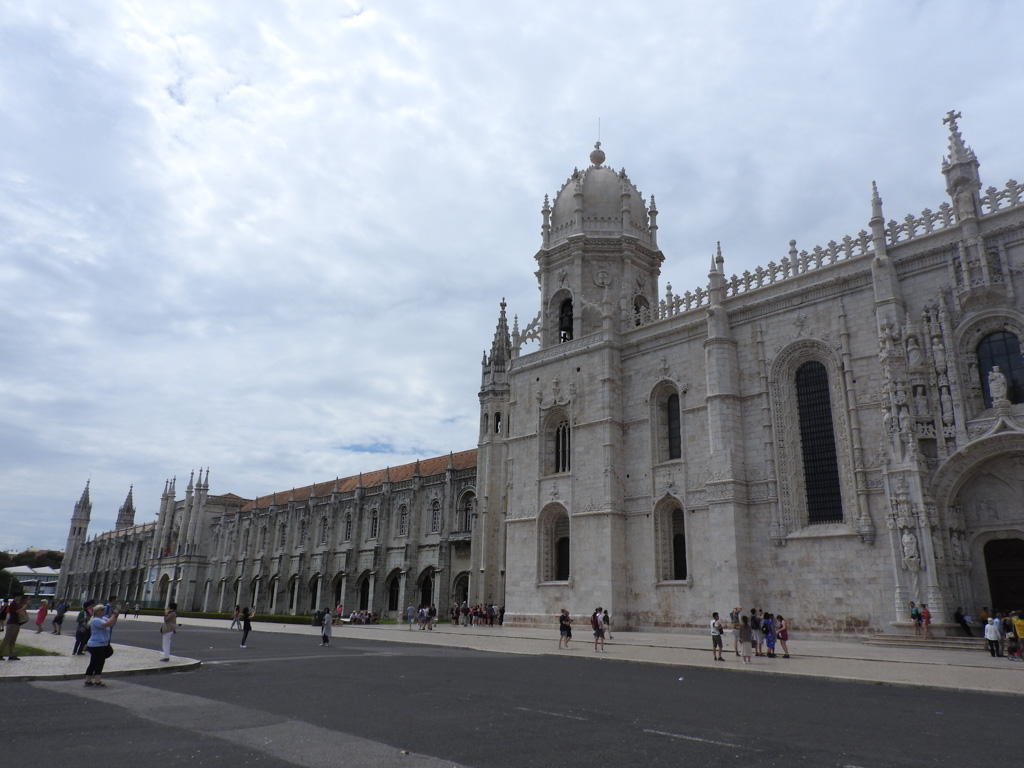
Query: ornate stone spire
(501,347)
(126,514)
(963,182)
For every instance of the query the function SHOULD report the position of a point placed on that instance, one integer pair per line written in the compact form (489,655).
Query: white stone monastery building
(829,437)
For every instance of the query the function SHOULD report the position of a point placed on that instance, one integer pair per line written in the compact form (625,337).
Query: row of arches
(300,595)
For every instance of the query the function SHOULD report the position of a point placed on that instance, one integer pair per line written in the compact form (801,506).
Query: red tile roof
(427,467)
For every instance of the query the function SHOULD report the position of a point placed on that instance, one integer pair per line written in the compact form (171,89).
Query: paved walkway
(837,660)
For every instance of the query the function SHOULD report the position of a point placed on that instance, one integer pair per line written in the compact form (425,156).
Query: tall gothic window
(302,534)
(403,521)
(435,517)
(555,564)
(466,521)
(818,445)
(374,524)
(263,538)
(281,535)
(1001,348)
(679,571)
(675,441)
(323,532)
(348,527)
(562,447)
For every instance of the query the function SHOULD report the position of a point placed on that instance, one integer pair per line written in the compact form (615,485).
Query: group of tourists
(1004,635)
(482,615)
(756,634)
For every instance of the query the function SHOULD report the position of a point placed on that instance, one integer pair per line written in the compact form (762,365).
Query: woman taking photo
(99,645)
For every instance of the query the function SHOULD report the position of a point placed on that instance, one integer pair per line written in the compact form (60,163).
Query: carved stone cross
(951,117)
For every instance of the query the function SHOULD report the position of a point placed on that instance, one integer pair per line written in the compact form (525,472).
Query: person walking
(168,628)
(993,636)
(564,630)
(58,617)
(716,637)
(606,620)
(82,630)
(410,615)
(325,629)
(99,644)
(41,615)
(246,625)
(236,619)
(597,624)
(782,628)
(745,636)
(17,614)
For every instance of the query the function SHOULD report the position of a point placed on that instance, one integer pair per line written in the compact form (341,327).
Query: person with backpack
(58,617)
(597,624)
(915,617)
(82,629)
(756,632)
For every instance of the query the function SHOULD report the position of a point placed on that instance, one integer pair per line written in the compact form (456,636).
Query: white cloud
(272,238)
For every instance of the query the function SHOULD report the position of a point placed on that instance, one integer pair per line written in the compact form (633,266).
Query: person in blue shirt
(99,645)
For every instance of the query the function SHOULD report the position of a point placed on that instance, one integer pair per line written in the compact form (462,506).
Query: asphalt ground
(371,700)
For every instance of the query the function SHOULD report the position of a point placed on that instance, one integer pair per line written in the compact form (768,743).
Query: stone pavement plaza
(963,670)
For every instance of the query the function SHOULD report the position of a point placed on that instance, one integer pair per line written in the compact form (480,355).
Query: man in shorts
(716,637)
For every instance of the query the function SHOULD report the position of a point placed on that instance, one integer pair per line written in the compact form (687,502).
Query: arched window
(348,527)
(263,538)
(466,519)
(282,533)
(565,321)
(302,534)
(394,588)
(561,446)
(497,423)
(323,532)
(675,438)
(555,545)
(640,310)
(435,517)
(403,521)
(679,572)
(374,524)
(818,445)
(1001,349)
(245,540)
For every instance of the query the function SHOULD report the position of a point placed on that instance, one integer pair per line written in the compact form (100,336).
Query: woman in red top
(926,618)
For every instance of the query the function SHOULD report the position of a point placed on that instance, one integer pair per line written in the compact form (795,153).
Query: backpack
(318,619)
(766,627)
(593,622)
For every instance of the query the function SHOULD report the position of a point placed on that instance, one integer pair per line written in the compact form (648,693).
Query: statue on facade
(915,358)
(997,385)
(909,544)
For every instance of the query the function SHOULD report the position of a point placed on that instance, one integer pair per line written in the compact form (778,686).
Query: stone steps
(961,643)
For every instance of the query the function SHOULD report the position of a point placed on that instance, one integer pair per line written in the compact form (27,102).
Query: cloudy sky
(271,238)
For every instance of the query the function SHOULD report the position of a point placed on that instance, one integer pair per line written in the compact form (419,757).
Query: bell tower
(599,245)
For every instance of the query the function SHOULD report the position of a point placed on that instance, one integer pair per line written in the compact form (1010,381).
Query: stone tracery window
(818,445)
(435,516)
(374,524)
(323,532)
(348,527)
(1001,349)
(555,545)
(403,521)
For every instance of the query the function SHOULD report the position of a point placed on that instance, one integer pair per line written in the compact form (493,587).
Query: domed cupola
(599,202)
(599,253)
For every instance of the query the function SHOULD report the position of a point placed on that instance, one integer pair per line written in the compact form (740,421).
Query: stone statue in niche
(909,544)
(915,358)
(920,400)
(997,385)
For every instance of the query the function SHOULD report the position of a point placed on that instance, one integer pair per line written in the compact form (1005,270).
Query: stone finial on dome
(597,156)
